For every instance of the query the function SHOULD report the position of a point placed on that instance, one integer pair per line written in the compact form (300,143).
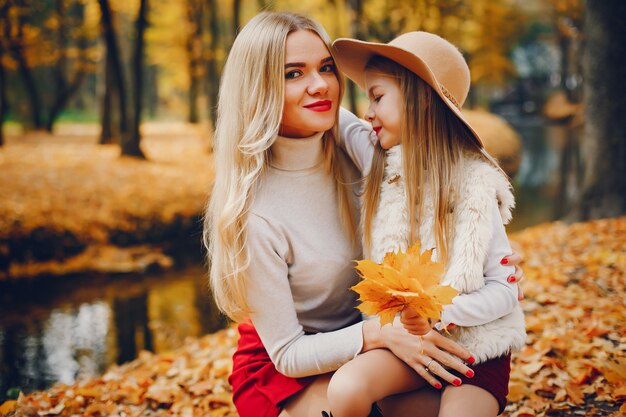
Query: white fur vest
(480,184)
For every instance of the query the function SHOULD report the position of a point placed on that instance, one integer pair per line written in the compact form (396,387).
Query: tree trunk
(16,48)
(66,89)
(117,75)
(213,75)
(106,134)
(130,144)
(236,13)
(604,144)
(3,96)
(4,9)
(194,54)
(357,33)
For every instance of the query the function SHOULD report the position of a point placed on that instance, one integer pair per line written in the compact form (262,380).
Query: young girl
(431,180)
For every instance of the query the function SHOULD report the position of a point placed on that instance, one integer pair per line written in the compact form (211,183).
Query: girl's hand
(514,260)
(430,355)
(413,323)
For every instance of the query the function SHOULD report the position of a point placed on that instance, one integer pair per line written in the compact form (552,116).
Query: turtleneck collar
(297,154)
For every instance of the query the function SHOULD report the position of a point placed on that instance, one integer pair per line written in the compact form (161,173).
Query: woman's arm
(274,314)
(429,355)
(355,137)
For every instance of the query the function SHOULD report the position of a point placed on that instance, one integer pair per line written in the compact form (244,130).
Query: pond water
(60,329)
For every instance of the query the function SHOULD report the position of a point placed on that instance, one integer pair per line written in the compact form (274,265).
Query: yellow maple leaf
(403,279)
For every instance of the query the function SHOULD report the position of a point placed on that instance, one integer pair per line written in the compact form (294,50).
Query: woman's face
(311,86)
(385,109)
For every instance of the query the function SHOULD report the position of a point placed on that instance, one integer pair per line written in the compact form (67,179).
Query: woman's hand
(414,323)
(430,355)
(514,260)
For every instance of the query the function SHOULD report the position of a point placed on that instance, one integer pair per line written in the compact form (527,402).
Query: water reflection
(79,326)
(550,174)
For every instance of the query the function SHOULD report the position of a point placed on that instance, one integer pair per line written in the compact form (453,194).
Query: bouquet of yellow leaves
(403,280)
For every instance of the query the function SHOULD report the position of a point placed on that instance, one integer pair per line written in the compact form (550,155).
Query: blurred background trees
(118,62)
(83,58)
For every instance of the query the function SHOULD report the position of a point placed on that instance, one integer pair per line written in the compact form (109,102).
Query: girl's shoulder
(481,181)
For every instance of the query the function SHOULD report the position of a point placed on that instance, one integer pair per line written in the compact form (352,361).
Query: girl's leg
(421,403)
(467,400)
(369,377)
(310,401)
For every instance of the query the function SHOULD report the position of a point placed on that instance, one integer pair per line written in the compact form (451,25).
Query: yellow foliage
(335,19)
(166,39)
(403,280)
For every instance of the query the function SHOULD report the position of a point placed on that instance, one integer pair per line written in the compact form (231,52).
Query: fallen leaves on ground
(403,279)
(62,194)
(574,362)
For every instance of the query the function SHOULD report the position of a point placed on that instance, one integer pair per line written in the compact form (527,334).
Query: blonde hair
(249,114)
(433,141)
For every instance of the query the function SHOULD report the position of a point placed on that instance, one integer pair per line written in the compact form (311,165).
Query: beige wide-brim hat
(432,58)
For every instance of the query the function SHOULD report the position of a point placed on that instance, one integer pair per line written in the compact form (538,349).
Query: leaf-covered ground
(574,362)
(67,204)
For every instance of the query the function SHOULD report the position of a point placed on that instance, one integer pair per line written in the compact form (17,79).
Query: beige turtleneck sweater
(301,264)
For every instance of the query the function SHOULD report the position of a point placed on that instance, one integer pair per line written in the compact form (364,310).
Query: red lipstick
(320,106)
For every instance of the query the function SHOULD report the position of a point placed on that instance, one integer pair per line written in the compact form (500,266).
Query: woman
(281,228)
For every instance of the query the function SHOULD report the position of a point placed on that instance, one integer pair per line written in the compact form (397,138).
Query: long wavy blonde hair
(433,141)
(250,108)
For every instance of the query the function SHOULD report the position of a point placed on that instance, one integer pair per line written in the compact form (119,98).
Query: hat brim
(352,55)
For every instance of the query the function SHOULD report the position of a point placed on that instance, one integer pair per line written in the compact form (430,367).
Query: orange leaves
(403,280)
(575,360)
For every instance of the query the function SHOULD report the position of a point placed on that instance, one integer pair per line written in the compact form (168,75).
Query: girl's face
(311,86)
(385,110)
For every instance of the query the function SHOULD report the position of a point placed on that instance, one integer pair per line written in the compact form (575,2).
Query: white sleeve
(357,139)
(274,315)
(497,297)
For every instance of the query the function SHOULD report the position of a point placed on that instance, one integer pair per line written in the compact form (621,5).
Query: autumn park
(108,111)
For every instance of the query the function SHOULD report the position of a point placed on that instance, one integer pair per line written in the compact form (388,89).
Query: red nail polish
(471,360)
(457,382)
(504,261)
(438,385)
(511,279)
(469,374)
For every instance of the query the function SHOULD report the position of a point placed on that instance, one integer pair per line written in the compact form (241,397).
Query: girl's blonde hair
(433,141)
(250,109)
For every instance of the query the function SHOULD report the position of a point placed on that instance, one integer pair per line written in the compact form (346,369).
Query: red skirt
(493,377)
(259,390)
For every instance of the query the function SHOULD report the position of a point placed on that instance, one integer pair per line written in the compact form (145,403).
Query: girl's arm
(274,314)
(498,297)
(357,138)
